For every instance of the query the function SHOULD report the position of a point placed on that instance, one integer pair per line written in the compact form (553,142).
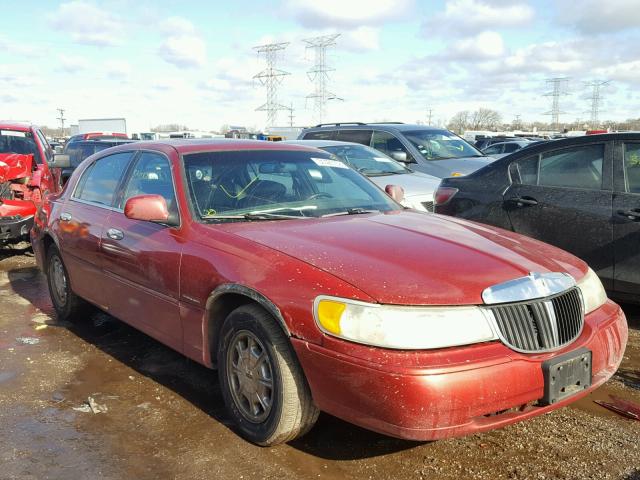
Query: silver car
(419,188)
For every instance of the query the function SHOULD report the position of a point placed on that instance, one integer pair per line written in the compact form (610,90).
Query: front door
(563,197)
(142,259)
(626,214)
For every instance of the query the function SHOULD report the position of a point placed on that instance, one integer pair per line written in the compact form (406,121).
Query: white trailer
(106,125)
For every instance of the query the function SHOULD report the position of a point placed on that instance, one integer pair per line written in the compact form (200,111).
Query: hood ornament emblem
(533,286)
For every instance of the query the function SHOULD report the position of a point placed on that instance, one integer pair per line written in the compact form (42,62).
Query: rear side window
(355,136)
(320,135)
(99,182)
(632,167)
(511,147)
(493,150)
(577,167)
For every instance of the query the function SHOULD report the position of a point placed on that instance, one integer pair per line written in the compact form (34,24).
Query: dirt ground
(165,417)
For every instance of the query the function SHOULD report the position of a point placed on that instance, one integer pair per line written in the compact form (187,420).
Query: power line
(319,73)
(271,78)
(559,85)
(596,100)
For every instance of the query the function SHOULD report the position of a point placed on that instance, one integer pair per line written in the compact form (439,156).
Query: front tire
(263,385)
(68,306)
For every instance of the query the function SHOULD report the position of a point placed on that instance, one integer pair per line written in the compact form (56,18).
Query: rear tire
(68,306)
(262,383)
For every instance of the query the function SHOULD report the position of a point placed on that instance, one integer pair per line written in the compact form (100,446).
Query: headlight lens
(406,328)
(593,293)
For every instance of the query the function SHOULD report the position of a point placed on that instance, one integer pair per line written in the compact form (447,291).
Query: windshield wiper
(350,211)
(252,216)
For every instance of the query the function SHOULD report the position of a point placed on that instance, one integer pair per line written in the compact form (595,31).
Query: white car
(419,188)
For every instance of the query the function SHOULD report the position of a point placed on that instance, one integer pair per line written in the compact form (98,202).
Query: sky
(192,62)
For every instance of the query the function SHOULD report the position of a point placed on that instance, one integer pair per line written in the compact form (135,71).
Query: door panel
(565,199)
(626,214)
(142,259)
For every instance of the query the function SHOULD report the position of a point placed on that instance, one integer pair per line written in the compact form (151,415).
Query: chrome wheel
(250,376)
(58,280)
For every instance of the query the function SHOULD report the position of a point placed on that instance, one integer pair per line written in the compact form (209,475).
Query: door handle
(115,234)
(630,214)
(65,217)
(523,201)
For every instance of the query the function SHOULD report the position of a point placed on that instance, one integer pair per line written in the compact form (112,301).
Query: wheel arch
(222,301)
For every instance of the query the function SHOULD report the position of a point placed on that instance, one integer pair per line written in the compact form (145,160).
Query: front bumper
(449,392)
(15,227)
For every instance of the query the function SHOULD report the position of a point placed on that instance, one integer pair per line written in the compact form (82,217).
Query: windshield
(281,184)
(440,144)
(13,141)
(366,160)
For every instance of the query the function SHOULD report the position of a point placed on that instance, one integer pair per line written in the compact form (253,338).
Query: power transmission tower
(429,114)
(271,78)
(559,85)
(319,73)
(62,119)
(291,115)
(596,99)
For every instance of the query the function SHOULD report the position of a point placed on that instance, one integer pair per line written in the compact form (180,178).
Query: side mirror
(396,192)
(148,208)
(60,161)
(400,157)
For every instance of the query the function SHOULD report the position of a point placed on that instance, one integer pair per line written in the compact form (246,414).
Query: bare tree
(485,119)
(459,122)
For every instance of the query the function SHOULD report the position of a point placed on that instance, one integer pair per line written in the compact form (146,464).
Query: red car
(308,288)
(25,178)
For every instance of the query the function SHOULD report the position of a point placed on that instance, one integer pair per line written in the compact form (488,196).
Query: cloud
(21,49)
(71,63)
(347,13)
(483,46)
(361,39)
(473,16)
(117,70)
(87,23)
(596,16)
(183,46)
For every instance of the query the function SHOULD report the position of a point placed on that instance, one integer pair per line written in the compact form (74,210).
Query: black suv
(435,151)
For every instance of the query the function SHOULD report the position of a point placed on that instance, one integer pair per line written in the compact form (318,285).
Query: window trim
(623,160)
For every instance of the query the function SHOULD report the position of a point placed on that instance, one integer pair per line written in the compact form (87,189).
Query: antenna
(319,74)
(62,119)
(596,99)
(270,78)
(559,85)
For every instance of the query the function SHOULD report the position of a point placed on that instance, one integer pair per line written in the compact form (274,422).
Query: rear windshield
(14,141)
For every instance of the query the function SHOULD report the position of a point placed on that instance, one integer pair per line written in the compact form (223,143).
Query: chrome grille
(428,206)
(540,325)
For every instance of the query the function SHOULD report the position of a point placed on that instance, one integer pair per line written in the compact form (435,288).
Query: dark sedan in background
(580,194)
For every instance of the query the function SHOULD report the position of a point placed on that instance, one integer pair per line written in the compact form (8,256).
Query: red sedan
(309,289)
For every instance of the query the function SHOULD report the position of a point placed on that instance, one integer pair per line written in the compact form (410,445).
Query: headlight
(593,293)
(402,327)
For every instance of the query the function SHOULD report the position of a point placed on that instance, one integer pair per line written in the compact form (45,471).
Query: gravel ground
(165,417)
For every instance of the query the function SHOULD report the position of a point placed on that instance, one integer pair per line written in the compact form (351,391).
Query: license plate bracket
(566,375)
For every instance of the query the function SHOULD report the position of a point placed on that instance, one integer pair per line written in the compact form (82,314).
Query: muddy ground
(165,417)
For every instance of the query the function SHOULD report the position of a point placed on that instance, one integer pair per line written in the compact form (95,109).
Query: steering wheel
(319,195)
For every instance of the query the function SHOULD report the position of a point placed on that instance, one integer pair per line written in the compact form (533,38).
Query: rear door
(564,198)
(81,221)
(626,214)
(142,259)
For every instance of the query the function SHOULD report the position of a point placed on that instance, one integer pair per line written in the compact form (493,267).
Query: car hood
(409,258)
(413,183)
(458,166)
(14,165)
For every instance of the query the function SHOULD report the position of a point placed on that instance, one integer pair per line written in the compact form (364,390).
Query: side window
(578,167)
(355,136)
(632,167)
(511,147)
(528,170)
(151,176)
(320,135)
(493,150)
(388,143)
(45,146)
(99,182)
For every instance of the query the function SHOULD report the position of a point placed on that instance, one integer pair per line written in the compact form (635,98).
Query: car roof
(518,142)
(183,146)
(19,126)
(113,141)
(322,143)
(397,126)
